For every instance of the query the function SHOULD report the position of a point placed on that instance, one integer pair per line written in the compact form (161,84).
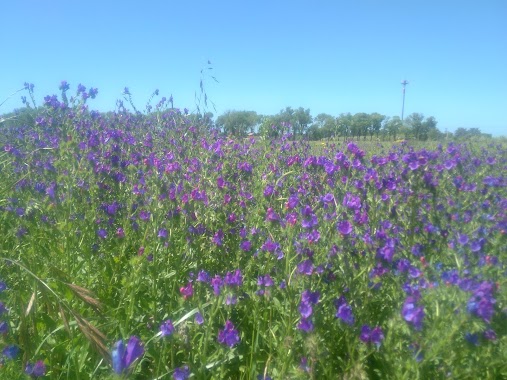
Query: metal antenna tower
(404,83)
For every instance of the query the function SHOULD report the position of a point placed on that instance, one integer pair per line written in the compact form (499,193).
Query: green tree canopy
(238,123)
(325,124)
(299,119)
(393,126)
(422,128)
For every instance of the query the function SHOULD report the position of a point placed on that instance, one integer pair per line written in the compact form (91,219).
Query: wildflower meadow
(153,246)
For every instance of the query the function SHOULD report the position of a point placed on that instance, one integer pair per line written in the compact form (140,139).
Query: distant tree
(361,125)
(299,119)
(303,119)
(415,124)
(376,120)
(393,127)
(344,125)
(470,133)
(325,123)
(238,123)
(20,117)
(203,120)
(422,128)
(315,132)
(474,132)
(460,133)
(272,126)
(430,129)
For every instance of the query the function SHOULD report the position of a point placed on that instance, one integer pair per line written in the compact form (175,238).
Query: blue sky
(329,56)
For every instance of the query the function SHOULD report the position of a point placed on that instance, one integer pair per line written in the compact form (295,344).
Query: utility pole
(404,83)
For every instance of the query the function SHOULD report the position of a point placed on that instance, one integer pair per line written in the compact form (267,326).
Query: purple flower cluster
(228,335)
(369,335)
(308,299)
(344,311)
(264,282)
(37,369)
(412,312)
(482,302)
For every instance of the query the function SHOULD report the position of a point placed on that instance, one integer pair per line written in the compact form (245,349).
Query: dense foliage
(151,247)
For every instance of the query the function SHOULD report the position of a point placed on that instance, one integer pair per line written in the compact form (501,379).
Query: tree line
(300,122)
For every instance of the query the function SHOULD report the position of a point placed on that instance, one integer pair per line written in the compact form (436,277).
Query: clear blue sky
(329,56)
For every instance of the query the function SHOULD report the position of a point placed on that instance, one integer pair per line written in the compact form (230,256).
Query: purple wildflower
(412,313)
(386,253)
(199,318)
(462,239)
(344,311)
(36,370)
(271,215)
(229,335)
(375,336)
(181,373)
(292,202)
(245,245)
(144,215)
(102,233)
(472,338)
(352,201)
(11,351)
(231,300)
(122,358)
(265,280)
(162,233)
(218,237)
(268,190)
(305,324)
(167,328)
(203,276)
(233,279)
(217,283)
(303,364)
(310,297)
(344,227)
(490,334)
(305,309)
(482,303)
(187,291)
(305,267)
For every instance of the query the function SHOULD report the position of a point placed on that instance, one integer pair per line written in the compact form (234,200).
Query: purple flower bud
(412,313)
(305,325)
(305,309)
(199,318)
(167,328)
(181,373)
(11,352)
(344,311)
(162,233)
